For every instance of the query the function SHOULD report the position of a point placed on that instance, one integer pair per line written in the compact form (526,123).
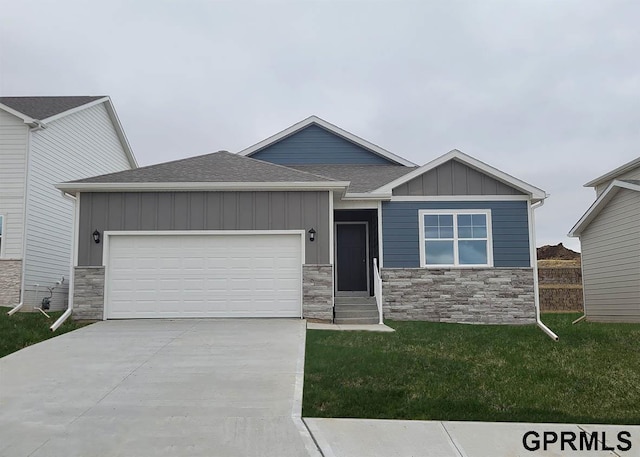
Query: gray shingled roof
(44,107)
(216,167)
(364,178)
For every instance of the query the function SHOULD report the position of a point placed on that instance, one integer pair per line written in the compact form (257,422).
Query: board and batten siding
(204,211)
(401,235)
(633,174)
(13,164)
(79,145)
(315,145)
(454,178)
(611,260)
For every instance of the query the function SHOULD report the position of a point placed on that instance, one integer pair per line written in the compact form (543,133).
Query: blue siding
(400,233)
(315,145)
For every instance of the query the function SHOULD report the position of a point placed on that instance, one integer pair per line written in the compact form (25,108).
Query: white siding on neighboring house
(76,146)
(631,174)
(611,260)
(13,156)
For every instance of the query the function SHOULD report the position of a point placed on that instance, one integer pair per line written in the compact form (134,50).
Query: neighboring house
(297,223)
(43,141)
(609,234)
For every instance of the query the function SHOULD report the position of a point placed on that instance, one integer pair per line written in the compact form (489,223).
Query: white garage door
(212,275)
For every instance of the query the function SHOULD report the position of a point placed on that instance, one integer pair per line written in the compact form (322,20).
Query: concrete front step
(358,315)
(355,300)
(355,310)
(356,320)
(349,313)
(356,307)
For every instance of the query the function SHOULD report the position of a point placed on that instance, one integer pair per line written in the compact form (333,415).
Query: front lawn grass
(434,371)
(24,329)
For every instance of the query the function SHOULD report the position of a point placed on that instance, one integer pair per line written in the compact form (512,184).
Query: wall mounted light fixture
(96,236)
(312,235)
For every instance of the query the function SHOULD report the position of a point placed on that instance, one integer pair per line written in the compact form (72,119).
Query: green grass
(24,329)
(433,371)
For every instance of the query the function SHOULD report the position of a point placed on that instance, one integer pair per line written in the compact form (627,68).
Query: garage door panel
(151,276)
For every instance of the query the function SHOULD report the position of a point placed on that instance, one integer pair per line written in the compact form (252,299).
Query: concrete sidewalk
(396,438)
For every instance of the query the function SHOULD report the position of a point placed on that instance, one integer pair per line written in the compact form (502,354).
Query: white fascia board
(635,163)
(204,186)
(597,206)
(366,196)
(120,132)
(534,192)
(457,198)
(333,129)
(18,114)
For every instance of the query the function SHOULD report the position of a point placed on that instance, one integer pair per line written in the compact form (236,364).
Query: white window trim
(455,213)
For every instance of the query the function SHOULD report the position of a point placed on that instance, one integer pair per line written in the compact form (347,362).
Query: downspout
(72,275)
(534,260)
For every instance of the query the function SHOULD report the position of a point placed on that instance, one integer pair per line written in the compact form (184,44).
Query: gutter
(534,259)
(203,186)
(69,309)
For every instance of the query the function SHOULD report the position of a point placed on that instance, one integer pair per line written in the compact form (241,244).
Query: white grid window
(460,238)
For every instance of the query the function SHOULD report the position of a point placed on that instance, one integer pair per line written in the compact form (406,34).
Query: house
(609,235)
(309,218)
(43,141)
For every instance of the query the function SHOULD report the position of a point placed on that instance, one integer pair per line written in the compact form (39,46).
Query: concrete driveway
(227,387)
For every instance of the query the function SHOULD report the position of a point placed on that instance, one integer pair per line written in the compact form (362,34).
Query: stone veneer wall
(478,296)
(88,296)
(317,292)
(10,282)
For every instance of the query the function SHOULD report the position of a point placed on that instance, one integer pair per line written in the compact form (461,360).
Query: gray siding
(13,164)
(76,146)
(454,178)
(204,211)
(611,260)
(315,145)
(401,236)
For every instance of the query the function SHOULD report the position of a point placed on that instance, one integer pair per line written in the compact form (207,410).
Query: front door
(352,258)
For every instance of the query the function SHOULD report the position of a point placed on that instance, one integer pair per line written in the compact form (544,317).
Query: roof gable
(38,111)
(498,183)
(627,167)
(454,178)
(601,202)
(316,141)
(44,108)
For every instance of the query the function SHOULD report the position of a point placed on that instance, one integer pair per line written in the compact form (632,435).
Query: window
(455,238)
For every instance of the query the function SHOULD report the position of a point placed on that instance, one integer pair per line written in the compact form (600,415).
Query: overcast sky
(548,91)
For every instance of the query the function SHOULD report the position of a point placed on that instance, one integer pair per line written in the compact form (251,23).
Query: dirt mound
(557,252)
